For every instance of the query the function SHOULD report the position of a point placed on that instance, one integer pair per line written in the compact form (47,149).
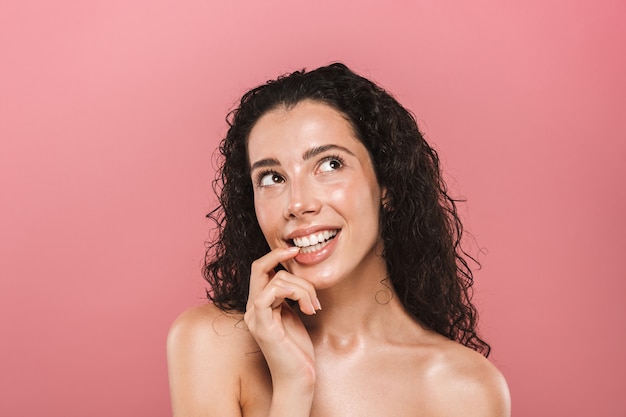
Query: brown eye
(270,178)
(331,164)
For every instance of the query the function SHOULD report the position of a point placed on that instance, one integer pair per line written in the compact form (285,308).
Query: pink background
(109,112)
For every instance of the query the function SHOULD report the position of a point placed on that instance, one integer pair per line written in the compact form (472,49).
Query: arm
(486,394)
(280,334)
(209,351)
(203,369)
(468,385)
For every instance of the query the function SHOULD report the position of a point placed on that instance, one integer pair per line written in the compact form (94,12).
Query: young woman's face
(315,187)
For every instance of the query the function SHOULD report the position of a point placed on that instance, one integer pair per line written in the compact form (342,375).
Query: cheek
(338,195)
(359,200)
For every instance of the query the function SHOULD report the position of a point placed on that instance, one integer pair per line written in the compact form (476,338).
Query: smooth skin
(346,347)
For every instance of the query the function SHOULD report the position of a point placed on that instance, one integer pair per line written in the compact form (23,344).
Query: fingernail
(318,306)
(293,249)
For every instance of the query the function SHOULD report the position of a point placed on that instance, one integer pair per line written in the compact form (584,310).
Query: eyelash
(262,174)
(332,158)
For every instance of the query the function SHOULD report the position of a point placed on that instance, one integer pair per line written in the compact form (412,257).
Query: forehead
(305,125)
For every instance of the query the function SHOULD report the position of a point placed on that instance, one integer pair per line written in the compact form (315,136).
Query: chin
(321,279)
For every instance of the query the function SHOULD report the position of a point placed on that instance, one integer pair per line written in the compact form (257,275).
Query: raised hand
(278,330)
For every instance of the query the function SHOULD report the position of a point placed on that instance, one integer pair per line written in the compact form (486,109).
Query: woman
(338,284)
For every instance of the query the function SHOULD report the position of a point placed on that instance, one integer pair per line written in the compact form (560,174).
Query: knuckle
(256,304)
(282,274)
(277,280)
(249,320)
(248,317)
(255,266)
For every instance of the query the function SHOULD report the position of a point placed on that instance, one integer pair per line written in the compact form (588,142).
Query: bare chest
(351,386)
(373,385)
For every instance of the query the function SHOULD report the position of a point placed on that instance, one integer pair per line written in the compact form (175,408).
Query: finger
(266,308)
(262,269)
(283,286)
(304,292)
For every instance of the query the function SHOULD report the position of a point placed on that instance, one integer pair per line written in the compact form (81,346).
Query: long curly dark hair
(420,226)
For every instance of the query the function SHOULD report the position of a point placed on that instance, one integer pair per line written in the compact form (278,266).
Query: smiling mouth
(314,241)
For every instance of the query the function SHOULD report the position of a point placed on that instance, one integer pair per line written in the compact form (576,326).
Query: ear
(385,200)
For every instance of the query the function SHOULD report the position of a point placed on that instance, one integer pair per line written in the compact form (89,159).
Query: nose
(302,200)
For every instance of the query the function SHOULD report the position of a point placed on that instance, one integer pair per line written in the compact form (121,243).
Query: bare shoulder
(466,383)
(207,323)
(204,354)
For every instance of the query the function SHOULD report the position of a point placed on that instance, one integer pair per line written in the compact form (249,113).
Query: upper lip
(308,231)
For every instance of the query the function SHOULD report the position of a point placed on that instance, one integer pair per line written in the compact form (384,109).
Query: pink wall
(109,111)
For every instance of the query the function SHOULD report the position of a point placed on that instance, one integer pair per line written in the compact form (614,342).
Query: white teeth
(314,241)
(313,248)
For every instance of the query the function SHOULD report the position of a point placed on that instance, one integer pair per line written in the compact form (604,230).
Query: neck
(354,315)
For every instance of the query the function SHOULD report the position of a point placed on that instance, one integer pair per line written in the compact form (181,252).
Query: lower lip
(318,256)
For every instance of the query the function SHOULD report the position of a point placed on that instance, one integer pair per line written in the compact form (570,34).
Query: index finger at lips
(262,269)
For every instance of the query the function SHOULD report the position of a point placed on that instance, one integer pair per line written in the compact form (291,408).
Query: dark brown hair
(420,226)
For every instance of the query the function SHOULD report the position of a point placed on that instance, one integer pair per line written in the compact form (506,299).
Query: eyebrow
(316,150)
(268,162)
(308,154)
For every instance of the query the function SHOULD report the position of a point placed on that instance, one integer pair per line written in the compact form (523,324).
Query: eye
(267,179)
(331,163)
